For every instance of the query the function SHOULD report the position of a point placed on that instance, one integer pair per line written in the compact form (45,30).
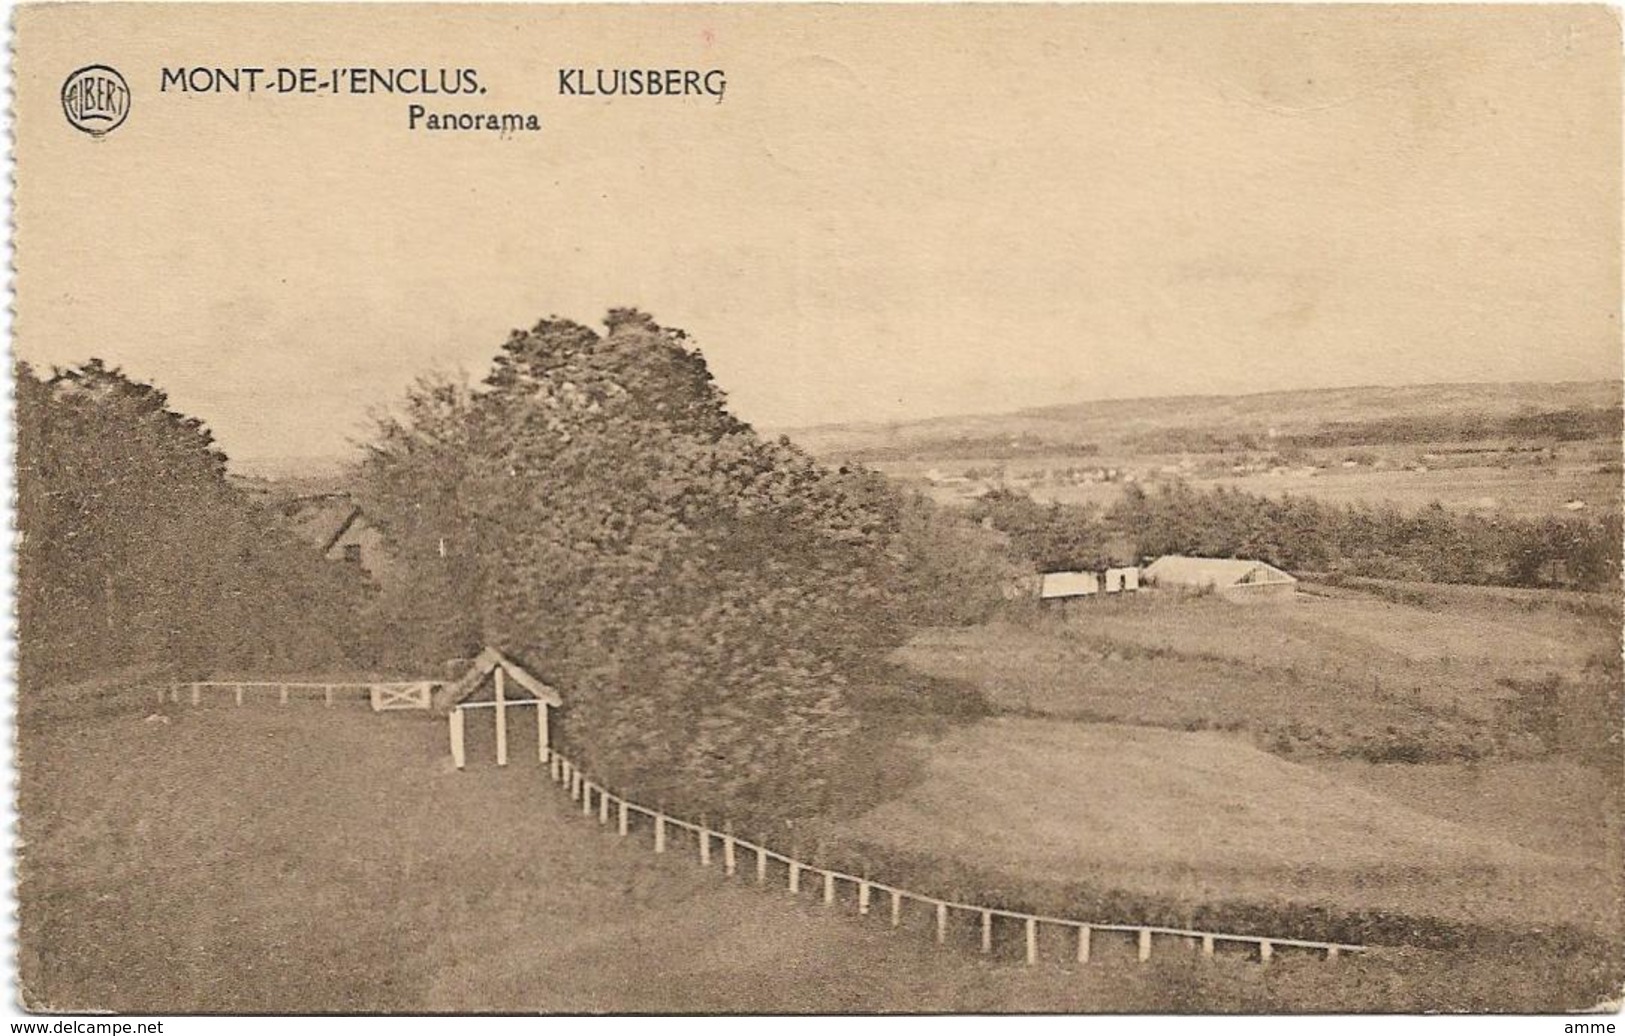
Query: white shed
(1056,586)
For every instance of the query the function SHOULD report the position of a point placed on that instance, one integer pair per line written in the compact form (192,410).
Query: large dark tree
(699,593)
(134,548)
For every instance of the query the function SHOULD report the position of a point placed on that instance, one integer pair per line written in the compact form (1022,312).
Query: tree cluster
(134,548)
(1303,534)
(699,591)
(1053,537)
(1432,544)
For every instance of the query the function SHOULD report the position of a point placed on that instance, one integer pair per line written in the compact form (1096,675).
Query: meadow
(1200,819)
(301,859)
(1364,667)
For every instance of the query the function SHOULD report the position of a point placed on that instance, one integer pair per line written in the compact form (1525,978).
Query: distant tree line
(134,549)
(1303,534)
(987,447)
(1569,424)
(1432,544)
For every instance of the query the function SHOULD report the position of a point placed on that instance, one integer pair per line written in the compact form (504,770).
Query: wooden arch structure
(498,670)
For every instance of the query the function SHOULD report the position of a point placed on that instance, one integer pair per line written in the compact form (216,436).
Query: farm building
(1060,586)
(1235,579)
(339,529)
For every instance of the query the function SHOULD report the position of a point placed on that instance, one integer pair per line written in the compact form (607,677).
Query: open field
(1263,786)
(1202,818)
(1554,807)
(1337,670)
(300,859)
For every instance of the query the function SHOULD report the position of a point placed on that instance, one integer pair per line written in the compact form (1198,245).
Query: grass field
(1195,752)
(301,859)
(1205,818)
(1336,670)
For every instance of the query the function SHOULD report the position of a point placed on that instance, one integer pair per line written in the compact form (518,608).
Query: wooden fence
(608,806)
(384,696)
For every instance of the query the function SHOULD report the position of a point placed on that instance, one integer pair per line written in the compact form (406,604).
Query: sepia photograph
(816,509)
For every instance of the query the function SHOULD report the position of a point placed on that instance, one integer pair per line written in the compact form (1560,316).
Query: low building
(1122,580)
(1235,579)
(1060,586)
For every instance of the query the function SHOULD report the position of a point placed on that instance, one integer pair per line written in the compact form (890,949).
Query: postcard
(817,509)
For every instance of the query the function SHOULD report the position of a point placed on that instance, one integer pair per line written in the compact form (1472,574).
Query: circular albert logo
(96,99)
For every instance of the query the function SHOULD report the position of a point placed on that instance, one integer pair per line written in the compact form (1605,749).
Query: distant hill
(1130,425)
(318,468)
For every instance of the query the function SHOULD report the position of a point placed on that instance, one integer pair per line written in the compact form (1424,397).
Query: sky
(893,213)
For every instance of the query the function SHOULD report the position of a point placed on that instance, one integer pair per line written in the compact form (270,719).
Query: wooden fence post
(197,693)
(1331,953)
(896,908)
(603,807)
(942,922)
(1083,944)
(987,931)
(327,694)
(621,820)
(282,693)
(1207,945)
(454,722)
(705,846)
(660,833)
(554,769)
(1265,952)
(586,797)
(761,863)
(863,897)
(729,864)
(795,877)
(829,888)
(1032,941)
(502,716)
(541,731)
(1145,944)
(239,694)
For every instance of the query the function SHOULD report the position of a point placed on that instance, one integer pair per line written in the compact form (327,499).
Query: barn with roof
(1235,579)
